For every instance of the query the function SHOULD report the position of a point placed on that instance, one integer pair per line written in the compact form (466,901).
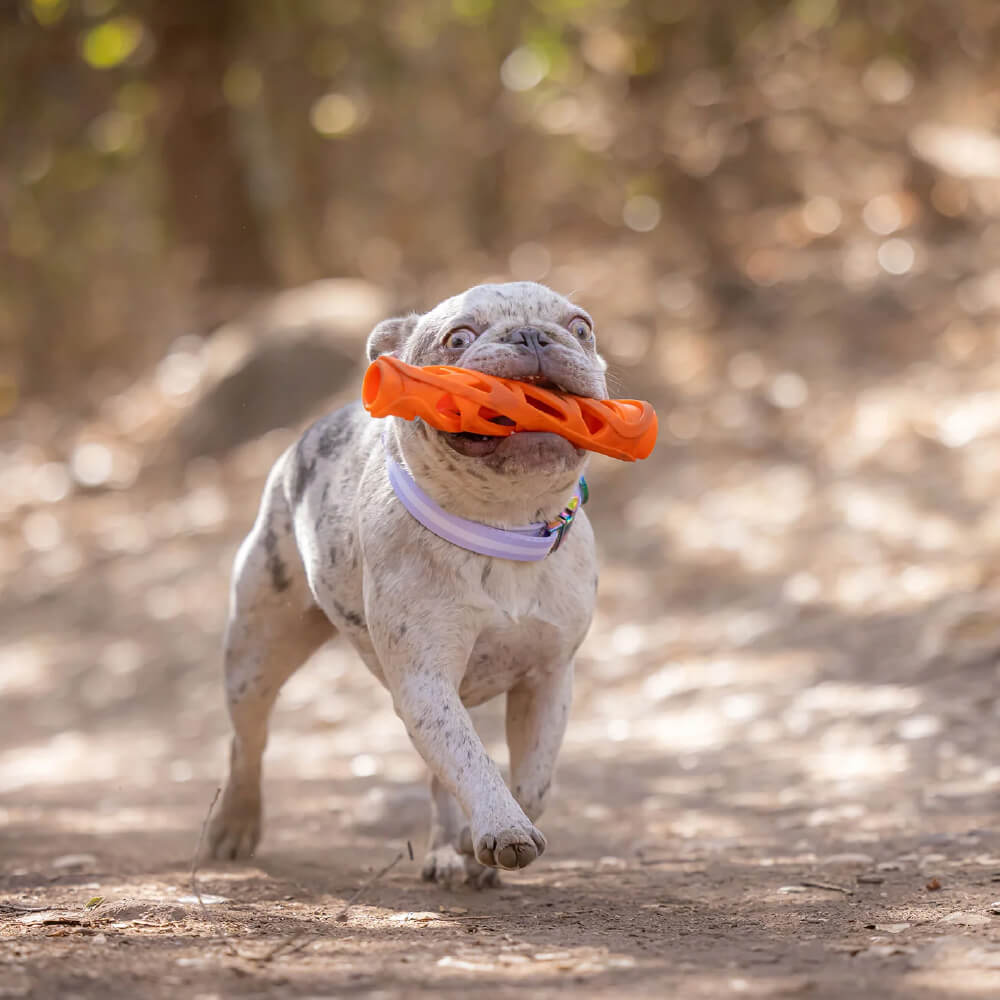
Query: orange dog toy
(458,399)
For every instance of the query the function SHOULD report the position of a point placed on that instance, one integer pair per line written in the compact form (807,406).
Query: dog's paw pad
(510,849)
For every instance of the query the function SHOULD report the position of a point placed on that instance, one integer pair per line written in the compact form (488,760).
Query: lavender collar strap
(528,544)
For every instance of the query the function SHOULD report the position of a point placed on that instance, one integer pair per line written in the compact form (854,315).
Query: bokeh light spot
(523,69)
(334,115)
(896,256)
(92,463)
(641,213)
(110,44)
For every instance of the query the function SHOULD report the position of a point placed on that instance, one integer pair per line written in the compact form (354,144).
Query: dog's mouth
(481,445)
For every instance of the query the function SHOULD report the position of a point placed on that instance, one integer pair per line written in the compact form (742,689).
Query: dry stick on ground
(296,942)
(17,908)
(829,886)
(196,860)
(342,915)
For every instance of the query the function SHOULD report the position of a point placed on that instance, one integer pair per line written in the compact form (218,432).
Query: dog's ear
(389,335)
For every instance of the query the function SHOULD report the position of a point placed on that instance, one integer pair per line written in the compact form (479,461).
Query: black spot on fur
(303,473)
(324,439)
(336,431)
(333,555)
(402,630)
(275,564)
(351,617)
(487,569)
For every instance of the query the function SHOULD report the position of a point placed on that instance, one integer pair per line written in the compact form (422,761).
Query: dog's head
(519,330)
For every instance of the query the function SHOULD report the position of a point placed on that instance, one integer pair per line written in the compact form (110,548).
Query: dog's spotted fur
(441,627)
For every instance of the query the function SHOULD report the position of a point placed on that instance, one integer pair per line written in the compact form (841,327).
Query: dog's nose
(530,336)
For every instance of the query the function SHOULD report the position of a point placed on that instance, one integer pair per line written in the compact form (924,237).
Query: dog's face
(520,330)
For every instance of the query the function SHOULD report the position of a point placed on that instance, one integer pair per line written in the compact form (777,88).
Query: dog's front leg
(424,685)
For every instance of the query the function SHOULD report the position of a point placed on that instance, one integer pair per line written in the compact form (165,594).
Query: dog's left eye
(461,336)
(580,328)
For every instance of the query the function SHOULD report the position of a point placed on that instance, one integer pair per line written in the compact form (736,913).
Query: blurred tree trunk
(207,191)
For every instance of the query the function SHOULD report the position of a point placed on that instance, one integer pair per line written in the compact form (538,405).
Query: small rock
(870,879)
(892,928)
(792,888)
(933,886)
(965,919)
(889,866)
(995,907)
(66,861)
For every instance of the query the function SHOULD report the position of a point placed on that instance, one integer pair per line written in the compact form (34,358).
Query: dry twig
(342,915)
(196,860)
(828,886)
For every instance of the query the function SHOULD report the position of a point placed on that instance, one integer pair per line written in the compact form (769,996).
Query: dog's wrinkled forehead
(511,303)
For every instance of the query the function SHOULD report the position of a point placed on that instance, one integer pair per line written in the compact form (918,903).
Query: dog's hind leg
(274,626)
(449,860)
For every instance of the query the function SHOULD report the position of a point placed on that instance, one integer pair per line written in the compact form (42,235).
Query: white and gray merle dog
(334,549)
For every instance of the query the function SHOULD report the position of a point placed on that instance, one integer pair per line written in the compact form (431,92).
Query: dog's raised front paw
(235,828)
(510,848)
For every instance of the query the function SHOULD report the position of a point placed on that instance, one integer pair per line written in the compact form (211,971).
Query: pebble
(995,907)
(871,879)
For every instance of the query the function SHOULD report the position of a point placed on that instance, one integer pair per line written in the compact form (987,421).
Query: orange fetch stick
(459,399)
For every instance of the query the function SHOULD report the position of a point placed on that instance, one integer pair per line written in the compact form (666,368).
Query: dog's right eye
(460,337)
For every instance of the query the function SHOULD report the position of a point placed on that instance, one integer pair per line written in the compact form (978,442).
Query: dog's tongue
(474,445)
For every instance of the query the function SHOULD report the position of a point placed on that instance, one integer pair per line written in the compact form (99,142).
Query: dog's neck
(479,493)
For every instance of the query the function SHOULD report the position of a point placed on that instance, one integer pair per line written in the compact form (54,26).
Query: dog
(340,545)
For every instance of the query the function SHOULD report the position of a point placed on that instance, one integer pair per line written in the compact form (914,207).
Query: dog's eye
(460,337)
(580,328)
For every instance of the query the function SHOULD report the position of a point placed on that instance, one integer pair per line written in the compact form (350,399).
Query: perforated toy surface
(461,400)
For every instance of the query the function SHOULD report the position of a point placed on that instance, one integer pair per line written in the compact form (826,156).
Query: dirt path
(780,779)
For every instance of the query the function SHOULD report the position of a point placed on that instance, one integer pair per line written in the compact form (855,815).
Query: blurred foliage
(163,160)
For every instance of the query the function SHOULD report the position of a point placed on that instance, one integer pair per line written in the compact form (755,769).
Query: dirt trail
(780,779)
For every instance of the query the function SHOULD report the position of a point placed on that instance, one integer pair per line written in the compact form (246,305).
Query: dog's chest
(527,627)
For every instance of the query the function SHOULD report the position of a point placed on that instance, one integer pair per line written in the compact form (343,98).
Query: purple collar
(528,544)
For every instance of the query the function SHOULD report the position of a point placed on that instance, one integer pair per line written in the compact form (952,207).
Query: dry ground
(780,779)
